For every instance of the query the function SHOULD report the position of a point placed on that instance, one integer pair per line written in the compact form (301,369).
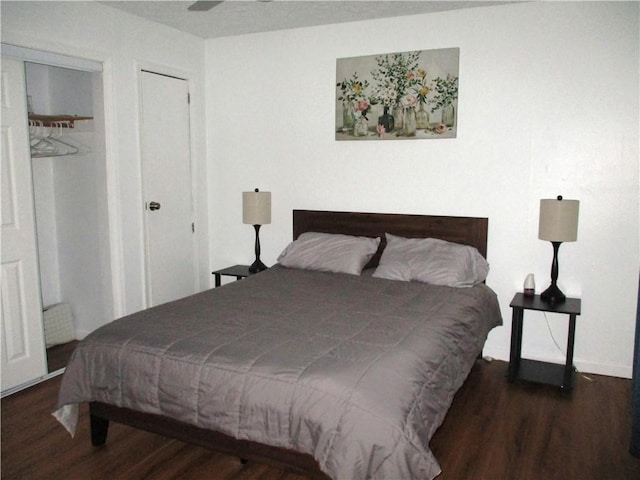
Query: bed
(335,375)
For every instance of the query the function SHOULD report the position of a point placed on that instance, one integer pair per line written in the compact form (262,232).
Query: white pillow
(329,252)
(431,260)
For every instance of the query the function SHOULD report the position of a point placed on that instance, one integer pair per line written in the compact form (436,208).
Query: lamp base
(553,295)
(257,266)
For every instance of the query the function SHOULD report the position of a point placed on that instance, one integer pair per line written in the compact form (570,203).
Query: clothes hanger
(46,143)
(41,146)
(72,149)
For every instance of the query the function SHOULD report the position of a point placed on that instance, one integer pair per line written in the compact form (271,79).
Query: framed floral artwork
(398,96)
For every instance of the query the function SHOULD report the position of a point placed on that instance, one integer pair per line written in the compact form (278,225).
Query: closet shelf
(56,120)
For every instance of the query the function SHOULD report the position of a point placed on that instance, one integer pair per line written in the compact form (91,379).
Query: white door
(23,346)
(166,170)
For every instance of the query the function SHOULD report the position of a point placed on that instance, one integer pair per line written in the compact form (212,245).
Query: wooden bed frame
(465,230)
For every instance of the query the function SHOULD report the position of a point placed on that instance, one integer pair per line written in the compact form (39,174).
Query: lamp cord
(586,377)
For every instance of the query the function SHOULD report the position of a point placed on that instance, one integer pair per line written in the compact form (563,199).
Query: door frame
(60,56)
(152,68)
(64,56)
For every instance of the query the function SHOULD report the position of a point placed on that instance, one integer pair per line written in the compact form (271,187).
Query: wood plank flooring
(494,431)
(59,355)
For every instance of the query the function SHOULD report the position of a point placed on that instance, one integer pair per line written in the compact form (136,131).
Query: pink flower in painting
(362,105)
(440,128)
(381,130)
(409,101)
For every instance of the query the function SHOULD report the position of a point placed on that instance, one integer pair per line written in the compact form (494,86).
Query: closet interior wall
(71,197)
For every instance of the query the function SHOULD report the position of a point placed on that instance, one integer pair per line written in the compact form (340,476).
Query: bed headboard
(465,230)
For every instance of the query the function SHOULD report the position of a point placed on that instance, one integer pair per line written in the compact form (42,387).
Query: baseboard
(608,370)
(621,371)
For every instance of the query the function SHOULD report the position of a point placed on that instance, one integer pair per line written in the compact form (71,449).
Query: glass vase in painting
(348,116)
(386,120)
(422,118)
(409,128)
(398,117)
(360,128)
(448,115)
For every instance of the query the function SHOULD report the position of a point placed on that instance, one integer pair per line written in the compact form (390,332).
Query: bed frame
(465,230)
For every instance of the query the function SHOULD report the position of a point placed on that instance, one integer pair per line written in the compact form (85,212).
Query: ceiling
(239,17)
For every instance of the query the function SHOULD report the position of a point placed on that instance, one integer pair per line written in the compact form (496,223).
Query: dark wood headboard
(465,230)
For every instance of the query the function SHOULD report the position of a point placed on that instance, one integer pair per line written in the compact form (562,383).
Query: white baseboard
(621,371)
(609,370)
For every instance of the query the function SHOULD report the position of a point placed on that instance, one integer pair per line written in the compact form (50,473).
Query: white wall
(70,194)
(548,105)
(79,185)
(125,44)
(44,195)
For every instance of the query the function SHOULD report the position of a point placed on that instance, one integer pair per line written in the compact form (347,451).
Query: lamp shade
(558,220)
(256,207)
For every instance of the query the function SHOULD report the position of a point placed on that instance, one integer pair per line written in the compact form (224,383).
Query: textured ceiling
(238,17)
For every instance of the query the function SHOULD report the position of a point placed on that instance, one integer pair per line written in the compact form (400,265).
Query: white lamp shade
(558,220)
(256,208)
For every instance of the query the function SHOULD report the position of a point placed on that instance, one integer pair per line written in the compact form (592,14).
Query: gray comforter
(357,371)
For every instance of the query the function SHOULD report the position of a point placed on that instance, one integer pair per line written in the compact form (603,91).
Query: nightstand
(532,370)
(238,271)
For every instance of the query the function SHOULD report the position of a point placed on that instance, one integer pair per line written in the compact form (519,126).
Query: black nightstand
(238,271)
(532,370)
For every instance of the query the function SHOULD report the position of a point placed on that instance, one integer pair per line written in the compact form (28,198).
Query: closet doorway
(70,195)
(62,113)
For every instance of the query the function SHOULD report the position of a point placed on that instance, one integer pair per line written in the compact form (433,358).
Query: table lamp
(256,211)
(558,223)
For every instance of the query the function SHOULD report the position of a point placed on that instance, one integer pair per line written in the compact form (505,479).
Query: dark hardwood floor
(58,355)
(494,431)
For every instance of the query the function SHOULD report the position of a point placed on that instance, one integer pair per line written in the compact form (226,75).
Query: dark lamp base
(553,295)
(257,266)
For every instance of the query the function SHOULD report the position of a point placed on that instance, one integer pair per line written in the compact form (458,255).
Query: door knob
(154,206)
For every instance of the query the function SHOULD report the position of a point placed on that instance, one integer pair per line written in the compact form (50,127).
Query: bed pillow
(431,260)
(329,252)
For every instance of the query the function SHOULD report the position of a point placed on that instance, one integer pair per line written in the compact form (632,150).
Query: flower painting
(398,96)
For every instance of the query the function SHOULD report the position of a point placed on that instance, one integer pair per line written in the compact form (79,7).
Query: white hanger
(48,142)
